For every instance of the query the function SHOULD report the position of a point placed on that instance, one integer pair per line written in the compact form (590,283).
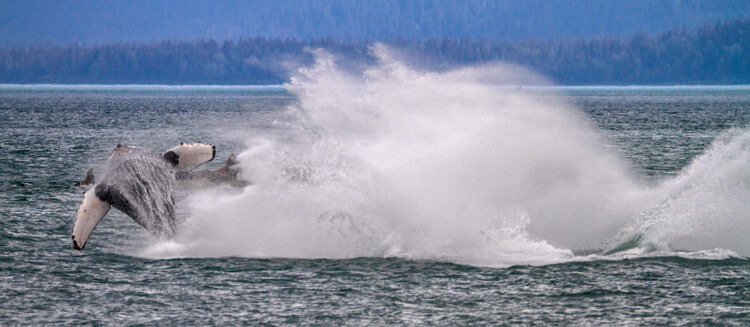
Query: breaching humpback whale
(141,184)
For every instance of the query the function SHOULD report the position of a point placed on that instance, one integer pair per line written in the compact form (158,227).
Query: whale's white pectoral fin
(88,216)
(185,157)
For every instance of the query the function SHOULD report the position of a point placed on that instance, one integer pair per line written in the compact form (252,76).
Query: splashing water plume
(459,166)
(705,207)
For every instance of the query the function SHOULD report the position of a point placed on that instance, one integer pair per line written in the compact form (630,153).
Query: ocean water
(391,196)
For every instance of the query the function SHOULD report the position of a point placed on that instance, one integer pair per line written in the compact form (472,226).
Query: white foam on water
(458,166)
(708,205)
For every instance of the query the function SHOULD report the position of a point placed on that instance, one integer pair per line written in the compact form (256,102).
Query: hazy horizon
(233,42)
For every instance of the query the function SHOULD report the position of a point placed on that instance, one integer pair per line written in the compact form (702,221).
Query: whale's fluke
(630,243)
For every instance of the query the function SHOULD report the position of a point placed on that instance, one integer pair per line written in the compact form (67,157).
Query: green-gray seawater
(316,243)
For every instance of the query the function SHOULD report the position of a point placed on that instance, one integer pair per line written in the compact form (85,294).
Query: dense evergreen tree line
(713,54)
(30,22)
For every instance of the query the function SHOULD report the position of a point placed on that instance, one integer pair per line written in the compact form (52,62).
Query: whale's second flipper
(185,157)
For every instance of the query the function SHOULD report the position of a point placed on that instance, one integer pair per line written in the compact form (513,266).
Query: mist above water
(463,166)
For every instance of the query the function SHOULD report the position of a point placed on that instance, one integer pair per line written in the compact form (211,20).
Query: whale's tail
(630,243)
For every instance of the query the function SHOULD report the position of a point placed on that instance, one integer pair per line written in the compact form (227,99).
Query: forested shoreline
(712,54)
(35,22)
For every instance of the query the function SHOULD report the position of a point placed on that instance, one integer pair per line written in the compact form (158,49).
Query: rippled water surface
(246,256)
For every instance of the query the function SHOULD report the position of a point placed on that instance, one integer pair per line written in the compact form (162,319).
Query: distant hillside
(713,54)
(113,21)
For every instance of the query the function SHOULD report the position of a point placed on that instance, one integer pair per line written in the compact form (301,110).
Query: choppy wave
(455,166)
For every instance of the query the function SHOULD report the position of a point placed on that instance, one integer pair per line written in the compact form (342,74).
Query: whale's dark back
(142,185)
